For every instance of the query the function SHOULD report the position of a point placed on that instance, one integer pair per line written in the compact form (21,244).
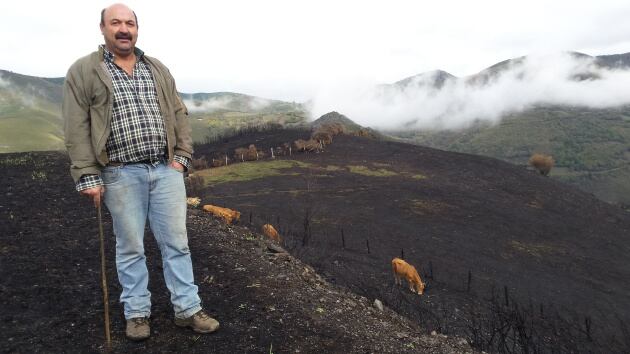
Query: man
(128,138)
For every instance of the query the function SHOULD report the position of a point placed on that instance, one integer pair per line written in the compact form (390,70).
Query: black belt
(116,164)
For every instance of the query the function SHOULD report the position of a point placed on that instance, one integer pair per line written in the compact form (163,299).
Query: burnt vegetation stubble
(50,296)
(514,261)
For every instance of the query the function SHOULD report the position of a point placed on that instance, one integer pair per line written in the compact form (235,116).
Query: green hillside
(591,147)
(30,113)
(209,125)
(220,113)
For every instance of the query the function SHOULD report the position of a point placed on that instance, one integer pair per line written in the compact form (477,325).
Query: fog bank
(431,101)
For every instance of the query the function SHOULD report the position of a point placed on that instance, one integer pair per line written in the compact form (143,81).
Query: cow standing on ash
(405,270)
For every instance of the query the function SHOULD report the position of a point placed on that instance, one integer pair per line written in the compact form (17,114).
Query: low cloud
(3,83)
(229,103)
(551,79)
(209,105)
(257,103)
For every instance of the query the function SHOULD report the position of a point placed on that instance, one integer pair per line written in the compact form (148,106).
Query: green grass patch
(416,176)
(29,129)
(366,171)
(247,171)
(210,125)
(379,164)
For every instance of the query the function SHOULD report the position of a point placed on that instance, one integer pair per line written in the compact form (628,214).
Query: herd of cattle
(400,268)
(320,137)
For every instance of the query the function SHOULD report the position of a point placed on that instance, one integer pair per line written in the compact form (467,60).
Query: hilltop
(436,79)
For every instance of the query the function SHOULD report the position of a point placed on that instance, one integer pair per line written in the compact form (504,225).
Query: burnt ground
(500,246)
(50,295)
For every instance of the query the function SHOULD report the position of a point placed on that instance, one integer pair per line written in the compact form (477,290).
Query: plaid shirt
(137,126)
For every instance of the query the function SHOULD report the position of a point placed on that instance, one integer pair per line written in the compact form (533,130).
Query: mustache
(121,35)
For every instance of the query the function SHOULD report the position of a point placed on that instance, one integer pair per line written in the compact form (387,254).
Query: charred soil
(265,299)
(515,262)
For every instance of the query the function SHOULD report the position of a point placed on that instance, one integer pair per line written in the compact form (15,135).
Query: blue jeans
(133,193)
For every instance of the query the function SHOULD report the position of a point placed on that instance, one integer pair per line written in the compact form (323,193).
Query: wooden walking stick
(104,278)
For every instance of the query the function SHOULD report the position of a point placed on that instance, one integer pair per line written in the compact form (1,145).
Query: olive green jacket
(87,113)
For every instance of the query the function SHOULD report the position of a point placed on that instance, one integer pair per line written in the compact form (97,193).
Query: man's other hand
(178,166)
(94,194)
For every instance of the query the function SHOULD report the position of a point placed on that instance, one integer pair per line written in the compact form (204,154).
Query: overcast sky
(293,49)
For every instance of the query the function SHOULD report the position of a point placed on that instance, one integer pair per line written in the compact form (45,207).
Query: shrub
(219,162)
(200,163)
(542,163)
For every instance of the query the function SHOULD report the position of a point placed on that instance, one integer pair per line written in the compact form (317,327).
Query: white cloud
(540,79)
(227,103)
(209,105)
(3,82)
(257,103)
(286,49)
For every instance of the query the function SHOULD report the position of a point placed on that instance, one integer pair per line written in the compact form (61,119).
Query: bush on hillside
(220,162)
(542,163)
(200,163)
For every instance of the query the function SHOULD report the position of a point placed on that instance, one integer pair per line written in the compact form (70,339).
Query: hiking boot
(199,322)
(138,328)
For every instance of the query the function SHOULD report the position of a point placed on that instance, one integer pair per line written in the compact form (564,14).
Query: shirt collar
(109,56)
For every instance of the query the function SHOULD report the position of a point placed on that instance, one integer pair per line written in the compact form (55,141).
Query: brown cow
(271,232)
(405,270)
(240,153)
(230,216)
(322,137)
(306,145)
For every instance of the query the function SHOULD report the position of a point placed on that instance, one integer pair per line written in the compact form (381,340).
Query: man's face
(120,30)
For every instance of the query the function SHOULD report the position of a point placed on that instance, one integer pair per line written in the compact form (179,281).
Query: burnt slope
(50,296)
(549,244)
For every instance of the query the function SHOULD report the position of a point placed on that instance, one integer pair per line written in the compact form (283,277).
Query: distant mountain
(30,112)
(430,79)
(335,117)
(436,79)
(44,90)
(589,145)
(235,102)
(615,61)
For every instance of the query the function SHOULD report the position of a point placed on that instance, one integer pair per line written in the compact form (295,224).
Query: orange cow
(271,232)
(405,270)
(229,215)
